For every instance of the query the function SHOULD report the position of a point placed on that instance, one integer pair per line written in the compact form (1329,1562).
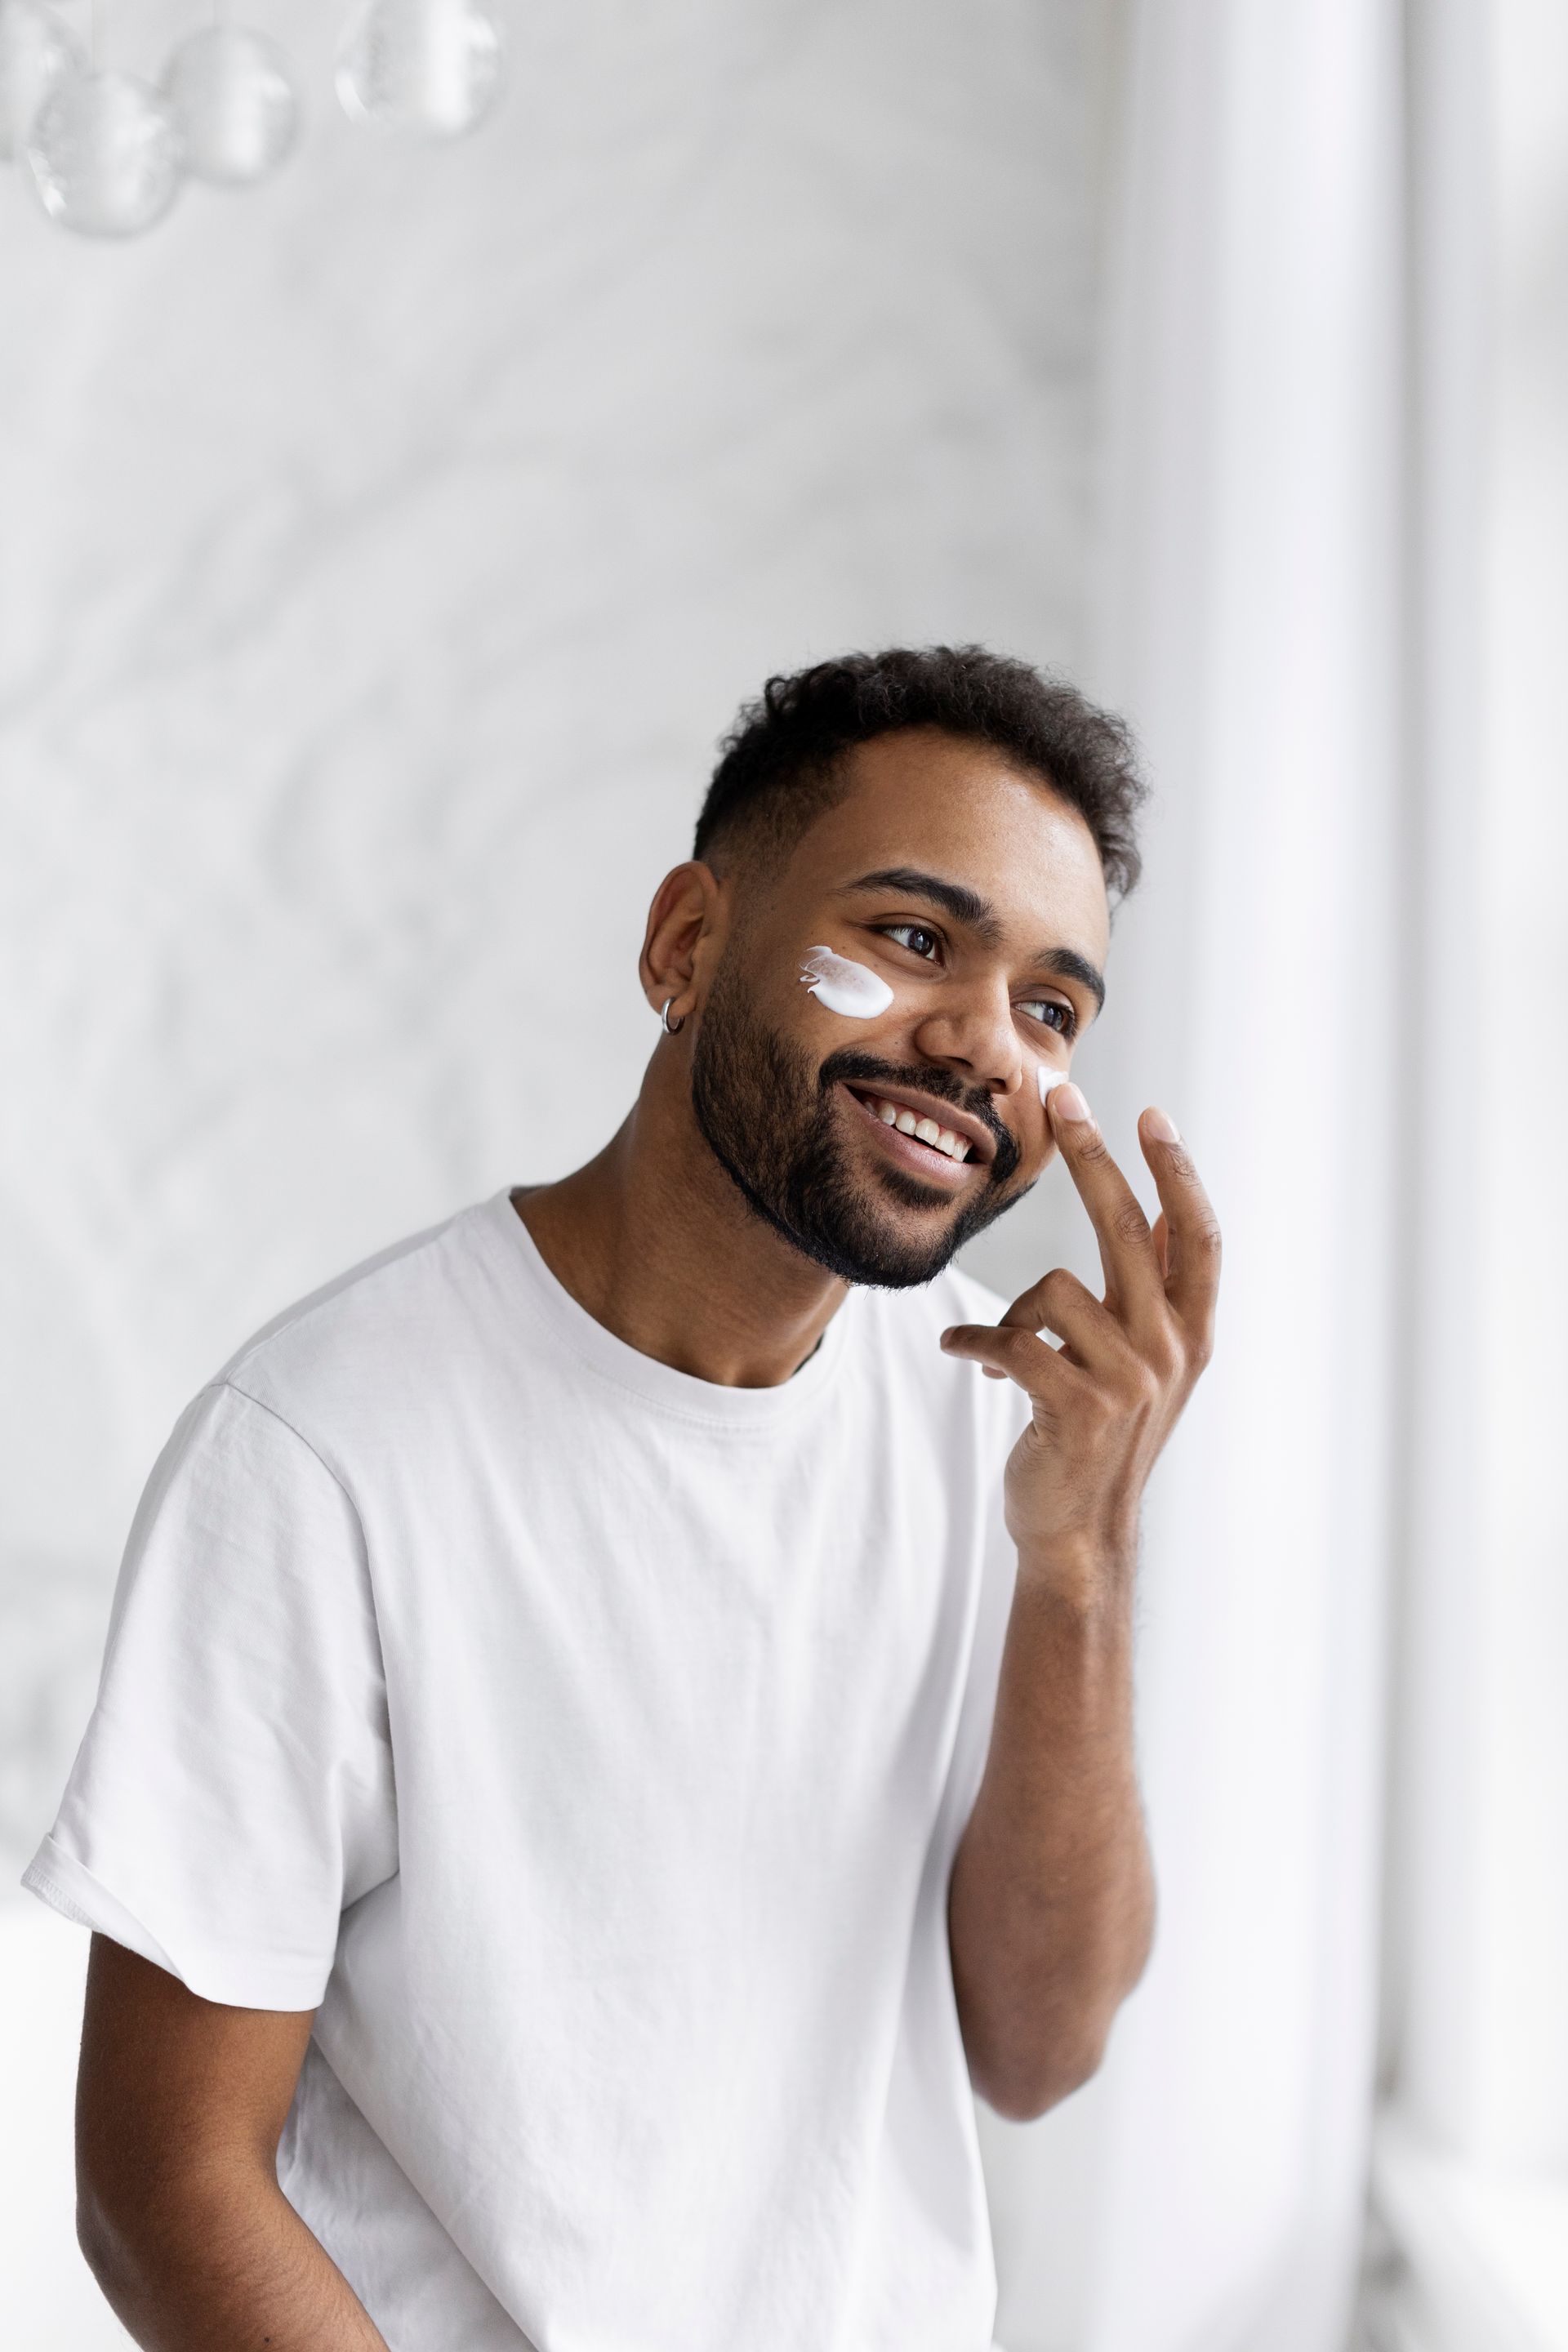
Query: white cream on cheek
(845,987)
(852,989)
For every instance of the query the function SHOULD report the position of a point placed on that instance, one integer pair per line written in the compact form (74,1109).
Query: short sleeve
(233,1793)
(1005,1412)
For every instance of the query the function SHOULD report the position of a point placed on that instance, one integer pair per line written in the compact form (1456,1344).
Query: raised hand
(1106,1399)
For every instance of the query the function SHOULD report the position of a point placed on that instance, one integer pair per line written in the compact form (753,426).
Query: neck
(653,1239)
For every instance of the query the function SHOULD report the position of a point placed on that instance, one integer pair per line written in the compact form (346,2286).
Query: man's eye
(1051,1014)
(915,937)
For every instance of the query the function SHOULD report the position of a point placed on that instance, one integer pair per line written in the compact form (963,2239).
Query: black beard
(769,1120)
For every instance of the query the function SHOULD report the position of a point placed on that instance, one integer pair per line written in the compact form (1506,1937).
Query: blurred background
(382,553)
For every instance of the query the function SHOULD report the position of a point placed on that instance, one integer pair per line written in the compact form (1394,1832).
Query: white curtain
(1207,2193)
(1472,2172)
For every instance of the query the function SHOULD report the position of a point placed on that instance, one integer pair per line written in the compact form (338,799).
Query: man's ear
(687,927)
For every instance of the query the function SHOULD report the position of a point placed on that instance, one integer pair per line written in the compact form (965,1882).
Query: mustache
(847,1068)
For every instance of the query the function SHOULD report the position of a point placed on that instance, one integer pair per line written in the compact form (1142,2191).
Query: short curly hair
(781,763)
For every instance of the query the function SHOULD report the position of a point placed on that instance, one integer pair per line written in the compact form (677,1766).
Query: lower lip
(908,1151)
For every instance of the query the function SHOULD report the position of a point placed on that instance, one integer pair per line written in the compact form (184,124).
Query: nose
(975,1033)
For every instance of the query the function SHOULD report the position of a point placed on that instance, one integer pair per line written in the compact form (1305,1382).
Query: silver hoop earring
(670,1027)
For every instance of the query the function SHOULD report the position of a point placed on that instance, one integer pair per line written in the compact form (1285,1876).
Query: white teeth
(925,1130)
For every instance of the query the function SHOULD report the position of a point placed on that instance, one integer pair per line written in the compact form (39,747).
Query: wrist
(1085,1572)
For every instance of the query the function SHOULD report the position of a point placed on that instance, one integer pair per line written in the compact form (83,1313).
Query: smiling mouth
(921,1130)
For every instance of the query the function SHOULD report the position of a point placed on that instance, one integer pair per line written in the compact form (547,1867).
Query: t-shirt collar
(657,1383)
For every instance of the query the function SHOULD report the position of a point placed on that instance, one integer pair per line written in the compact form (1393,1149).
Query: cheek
(848,989)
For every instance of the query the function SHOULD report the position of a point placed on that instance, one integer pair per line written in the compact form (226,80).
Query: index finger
(1127,1254)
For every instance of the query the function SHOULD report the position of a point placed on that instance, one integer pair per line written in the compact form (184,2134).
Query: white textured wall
(380,555)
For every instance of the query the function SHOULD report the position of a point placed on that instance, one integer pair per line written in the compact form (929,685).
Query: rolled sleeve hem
(235,1980)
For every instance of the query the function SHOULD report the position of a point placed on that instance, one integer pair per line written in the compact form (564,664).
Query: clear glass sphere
(37,48)
(432,66)
(105,154)
(233,95)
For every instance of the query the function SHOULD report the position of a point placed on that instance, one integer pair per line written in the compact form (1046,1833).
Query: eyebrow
(977,915)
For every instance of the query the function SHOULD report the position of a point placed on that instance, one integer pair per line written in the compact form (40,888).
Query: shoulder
(962,1300)
(391,1319)
(905,1327)
(951,1298)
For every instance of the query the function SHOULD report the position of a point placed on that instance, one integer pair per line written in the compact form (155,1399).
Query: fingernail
(945,1338)
(1068,1102)
(1160,1126)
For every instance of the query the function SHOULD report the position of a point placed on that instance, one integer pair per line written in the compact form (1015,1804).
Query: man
(611,1726)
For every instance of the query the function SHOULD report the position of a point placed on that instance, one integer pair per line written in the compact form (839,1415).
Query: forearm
(1051,1904)
(217,2257)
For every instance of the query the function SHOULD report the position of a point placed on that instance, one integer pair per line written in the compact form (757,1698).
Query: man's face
(976,897)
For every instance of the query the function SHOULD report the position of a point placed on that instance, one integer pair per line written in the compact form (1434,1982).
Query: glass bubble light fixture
(38,49)
(233,95)
(108,152)
(427,66)
(106,155)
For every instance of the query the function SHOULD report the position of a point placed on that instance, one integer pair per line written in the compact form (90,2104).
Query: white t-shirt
(588,1745)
